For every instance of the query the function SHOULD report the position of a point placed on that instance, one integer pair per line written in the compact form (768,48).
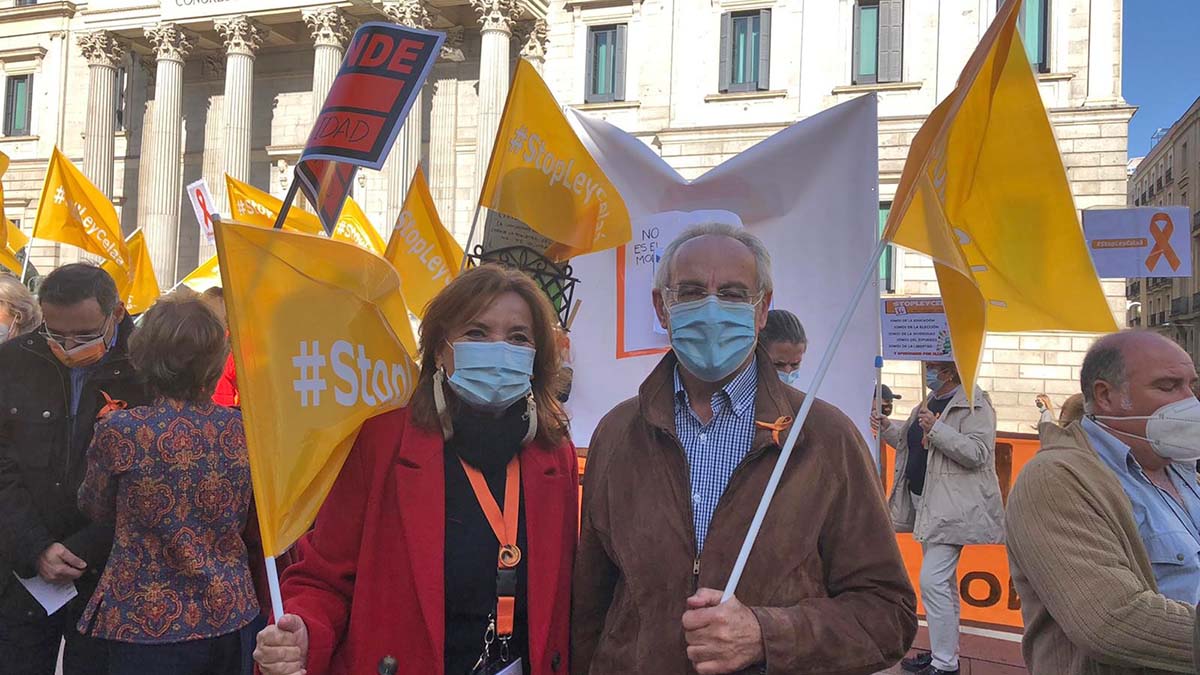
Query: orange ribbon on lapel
(777,426)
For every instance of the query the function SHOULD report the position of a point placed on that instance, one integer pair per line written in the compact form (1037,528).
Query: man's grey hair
(762,257)
(1104,362)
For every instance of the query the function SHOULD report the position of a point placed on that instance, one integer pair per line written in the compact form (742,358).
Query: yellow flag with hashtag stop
(73,211)
(321,340)
(541,173)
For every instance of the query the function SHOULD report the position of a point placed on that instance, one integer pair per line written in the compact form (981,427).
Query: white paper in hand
(52,597)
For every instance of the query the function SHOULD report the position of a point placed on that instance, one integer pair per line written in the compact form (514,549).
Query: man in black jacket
(53,385)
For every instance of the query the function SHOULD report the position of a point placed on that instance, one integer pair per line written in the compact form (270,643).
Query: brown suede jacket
(825,578)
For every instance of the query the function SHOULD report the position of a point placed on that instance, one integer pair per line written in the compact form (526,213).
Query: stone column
(331,30)
(1102,80)
(104,53)
(242,38)
(496,19)
(406,153)
(172,44)
(533,37)
(443,129)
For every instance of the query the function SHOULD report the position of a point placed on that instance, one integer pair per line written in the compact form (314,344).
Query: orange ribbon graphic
(1161,228)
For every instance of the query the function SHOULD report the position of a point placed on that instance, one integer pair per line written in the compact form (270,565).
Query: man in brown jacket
(673,479)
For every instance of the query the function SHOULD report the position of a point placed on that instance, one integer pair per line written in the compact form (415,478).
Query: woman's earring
(439,403)
(531,415)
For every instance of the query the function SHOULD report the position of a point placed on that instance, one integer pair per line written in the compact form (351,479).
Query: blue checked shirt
(715,449)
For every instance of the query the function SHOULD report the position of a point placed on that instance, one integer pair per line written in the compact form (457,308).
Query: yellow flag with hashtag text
(8,244)
(421,249)
(73,211)
(354,227)
(541,173)
(984,193)
(252,206)
(321,340)
(137,286)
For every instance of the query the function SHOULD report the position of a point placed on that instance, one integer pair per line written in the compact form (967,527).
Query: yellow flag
(252,206)
(138,287)
(8,245)
(249,205)
(73,211)
(421,249)
(16,238)
(354,227)
(204,277)
(985,194)
(308,385)
(541,173)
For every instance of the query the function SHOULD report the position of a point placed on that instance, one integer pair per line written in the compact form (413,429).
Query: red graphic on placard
(380,78)
(1161,228)
(208,223)
(326,185)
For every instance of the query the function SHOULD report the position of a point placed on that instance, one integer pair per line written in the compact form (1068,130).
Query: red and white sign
(205,207)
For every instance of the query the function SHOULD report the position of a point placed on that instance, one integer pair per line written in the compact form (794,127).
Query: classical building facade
(1163,178)
(149,95)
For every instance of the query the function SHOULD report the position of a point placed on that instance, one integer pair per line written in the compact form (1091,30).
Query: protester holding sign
(174,477)
(448,538)
(665,510)
(54,384)
(1104,523)
(783,338)
(947,494)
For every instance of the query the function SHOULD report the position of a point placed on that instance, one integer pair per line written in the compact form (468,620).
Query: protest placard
(204,206)
(1139,242)
(915,329)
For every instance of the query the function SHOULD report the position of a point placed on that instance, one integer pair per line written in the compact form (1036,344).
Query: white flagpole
(785,453)
(273,585)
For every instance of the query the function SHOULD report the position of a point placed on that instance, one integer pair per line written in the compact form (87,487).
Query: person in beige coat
(946,493)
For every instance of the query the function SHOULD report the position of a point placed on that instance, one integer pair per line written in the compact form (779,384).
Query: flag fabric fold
(204,277)
(985,194)
(137,286)
(424,253)
(541,173)
(307,385)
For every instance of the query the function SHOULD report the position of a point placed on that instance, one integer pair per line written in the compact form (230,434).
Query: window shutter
(891,40)
(618,70)
(589,87)
(764,49)
(726,29)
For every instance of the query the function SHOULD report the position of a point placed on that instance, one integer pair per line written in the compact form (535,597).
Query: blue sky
(1161,64)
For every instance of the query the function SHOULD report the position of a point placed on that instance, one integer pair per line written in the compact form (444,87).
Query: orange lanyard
(504,526)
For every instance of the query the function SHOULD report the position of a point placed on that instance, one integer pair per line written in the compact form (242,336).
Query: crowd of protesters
(454,540)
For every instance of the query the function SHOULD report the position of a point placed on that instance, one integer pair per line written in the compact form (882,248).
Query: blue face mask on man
(491,376)
(790,379)
(712,337)
(933,379)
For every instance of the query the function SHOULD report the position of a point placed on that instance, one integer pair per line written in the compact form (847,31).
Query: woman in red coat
(448,538)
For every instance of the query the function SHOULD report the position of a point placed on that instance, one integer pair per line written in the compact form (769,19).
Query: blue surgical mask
(790,379)
(933,380)
(491,376)
(712,337)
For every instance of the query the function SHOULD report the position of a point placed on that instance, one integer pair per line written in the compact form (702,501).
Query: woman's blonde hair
(464,299)
(20,303)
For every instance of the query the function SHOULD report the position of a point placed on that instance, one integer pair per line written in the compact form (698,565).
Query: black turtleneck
(487,443)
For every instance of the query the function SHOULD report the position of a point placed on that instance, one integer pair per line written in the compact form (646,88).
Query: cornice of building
(47,10)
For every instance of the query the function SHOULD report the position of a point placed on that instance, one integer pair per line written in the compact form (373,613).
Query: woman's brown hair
(464,299)
(180,348)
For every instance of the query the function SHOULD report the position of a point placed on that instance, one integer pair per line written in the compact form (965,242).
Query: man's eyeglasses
(77,339)
(690,293)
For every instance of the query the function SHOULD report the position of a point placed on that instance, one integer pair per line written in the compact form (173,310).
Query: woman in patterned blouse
(176,596)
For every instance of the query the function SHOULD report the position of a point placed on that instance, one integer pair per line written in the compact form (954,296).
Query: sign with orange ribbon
(1139,242)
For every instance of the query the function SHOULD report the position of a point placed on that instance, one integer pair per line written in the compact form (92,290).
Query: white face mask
(9,330)
(1173,431)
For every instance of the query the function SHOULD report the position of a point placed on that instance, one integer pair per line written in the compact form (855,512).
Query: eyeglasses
(77,339)
(692,292)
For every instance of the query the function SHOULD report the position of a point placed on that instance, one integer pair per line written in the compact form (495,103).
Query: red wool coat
(370,581)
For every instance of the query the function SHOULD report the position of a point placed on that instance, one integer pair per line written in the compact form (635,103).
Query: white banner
(1140,242)
(204,207)
(915,329)
(809,192)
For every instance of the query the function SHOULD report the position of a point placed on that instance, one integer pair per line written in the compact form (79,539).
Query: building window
(17,105)
(1183,154)
(878,41)
(1033,21)
(746,51)
(122,96)
(887,263)
(605,64)
(26,3)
